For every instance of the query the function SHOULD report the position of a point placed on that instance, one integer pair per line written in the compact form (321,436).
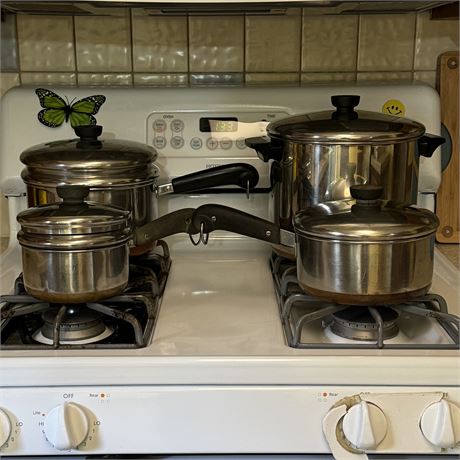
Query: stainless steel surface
(164,189)
(119,173)
(370,128)
(365,273)
(139,200)
(363,222)
(57,220)
(311,174)
(75,276)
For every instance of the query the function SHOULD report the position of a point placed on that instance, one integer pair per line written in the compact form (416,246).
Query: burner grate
(132,315)
(299,309)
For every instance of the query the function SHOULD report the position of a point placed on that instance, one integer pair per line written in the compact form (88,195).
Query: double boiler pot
(319,156)
(118,172)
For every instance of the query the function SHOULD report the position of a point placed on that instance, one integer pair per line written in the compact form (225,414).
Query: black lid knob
(345,105)
(88,133)
(366,192)
(72,194)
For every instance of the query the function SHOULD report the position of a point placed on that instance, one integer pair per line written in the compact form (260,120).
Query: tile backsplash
(292,49)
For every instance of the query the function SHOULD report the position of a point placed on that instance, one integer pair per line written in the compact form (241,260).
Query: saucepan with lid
(119,173)
(355,252)
(319,156)
(77,252)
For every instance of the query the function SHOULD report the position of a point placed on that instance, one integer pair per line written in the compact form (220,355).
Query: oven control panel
(201,134)
(349,422)
(193,140)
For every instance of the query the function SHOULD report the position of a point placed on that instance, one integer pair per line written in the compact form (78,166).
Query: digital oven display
(219,125)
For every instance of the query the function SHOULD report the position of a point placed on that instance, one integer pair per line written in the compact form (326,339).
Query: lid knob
(88,133)
(366,192)
(345,105)
(72,194)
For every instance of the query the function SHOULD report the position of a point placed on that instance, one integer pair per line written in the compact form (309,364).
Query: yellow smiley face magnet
(394,107)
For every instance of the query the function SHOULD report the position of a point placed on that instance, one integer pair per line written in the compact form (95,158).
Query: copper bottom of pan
(284,251)
(365,300)
(75,298)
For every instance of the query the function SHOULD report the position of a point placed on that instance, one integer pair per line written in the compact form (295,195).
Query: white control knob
(365,426)
(440,424)
(5,427)
(66,426)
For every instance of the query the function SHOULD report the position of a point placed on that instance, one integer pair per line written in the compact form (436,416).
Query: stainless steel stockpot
(77,252)
(318,156)
(353,252)
(119,173)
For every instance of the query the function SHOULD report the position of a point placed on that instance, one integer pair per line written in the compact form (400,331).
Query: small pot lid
(73,216)
(90,161)
(364,219)
(345,126)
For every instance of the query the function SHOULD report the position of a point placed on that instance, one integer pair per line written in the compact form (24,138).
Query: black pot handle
(210,217)
(428,143)
(169,224)
(240,174)
(266,148)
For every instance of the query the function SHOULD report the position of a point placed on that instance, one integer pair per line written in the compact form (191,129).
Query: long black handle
(428,143)
(266,148)
(169,224)
(240,174)
(217,217)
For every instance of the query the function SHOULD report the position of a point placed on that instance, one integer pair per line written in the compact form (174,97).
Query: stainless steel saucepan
(77,252)
(119,173)
(353,252)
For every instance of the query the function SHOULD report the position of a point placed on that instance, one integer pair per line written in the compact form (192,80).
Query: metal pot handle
(169,224)
(210,217)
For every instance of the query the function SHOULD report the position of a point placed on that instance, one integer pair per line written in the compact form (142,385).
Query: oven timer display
(219,125)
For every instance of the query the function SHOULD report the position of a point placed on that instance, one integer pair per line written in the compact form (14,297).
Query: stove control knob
(440,424)
(365,426)
(66,426)
(5,427)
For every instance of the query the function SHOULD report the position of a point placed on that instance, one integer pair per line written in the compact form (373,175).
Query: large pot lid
(90,161)
(345,126)
(364,219)
(74,217)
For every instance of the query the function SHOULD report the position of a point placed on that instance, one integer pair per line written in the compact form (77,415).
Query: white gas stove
(223,373)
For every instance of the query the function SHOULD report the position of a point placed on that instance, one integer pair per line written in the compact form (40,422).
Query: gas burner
(77,325)
(363,323)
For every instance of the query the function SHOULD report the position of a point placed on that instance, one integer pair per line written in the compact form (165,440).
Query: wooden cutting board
(447,199)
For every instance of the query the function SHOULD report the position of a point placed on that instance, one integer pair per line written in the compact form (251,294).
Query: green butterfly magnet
(56,110)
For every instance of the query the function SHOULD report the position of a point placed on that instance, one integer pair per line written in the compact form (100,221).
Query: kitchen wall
(135,49)
(294,49)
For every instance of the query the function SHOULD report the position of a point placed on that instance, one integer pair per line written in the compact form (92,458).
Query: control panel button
(177,125)
(159,125)
(196,143)
(440,424)
(212,143)
(365,426)
(226,143)
(159,142)
(5,427)
(177,142)
(66,426)
(240,143)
